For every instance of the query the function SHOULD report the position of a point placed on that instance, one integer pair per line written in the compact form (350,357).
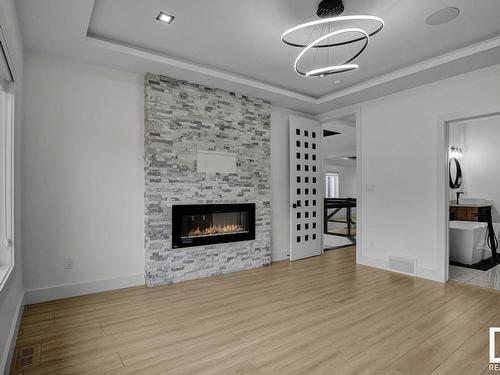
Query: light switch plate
(68,263)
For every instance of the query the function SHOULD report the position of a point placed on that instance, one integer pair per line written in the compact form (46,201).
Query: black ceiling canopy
(330,8)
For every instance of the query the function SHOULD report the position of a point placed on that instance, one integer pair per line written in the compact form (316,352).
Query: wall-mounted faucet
(458,196)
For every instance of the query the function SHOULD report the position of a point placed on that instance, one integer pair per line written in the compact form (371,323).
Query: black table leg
(491,235)
(349,221)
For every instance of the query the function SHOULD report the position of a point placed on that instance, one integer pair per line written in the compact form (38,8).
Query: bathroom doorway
(473,200)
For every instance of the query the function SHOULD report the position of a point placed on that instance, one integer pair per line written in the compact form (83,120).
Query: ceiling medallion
(341,39)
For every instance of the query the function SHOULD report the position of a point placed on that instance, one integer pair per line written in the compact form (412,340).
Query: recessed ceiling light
(164,17)
(442,16)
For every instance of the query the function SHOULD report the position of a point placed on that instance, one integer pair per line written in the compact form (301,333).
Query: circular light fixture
(327,70)
(320,31)
(346,67)
(287,33)
(442,16)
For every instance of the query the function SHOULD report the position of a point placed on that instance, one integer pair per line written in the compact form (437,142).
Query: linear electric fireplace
(205,224)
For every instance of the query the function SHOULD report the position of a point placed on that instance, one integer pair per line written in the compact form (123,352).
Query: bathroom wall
(481,144)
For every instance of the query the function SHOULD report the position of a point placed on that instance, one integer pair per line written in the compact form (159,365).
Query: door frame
(443,202)
(337,115)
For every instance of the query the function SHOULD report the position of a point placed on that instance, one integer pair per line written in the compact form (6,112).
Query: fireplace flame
(224,229)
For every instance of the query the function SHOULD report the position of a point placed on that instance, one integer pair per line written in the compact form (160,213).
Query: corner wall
(400,166)
(181,119)
(83,178)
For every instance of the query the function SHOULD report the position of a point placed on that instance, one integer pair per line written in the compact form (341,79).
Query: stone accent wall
(181,117)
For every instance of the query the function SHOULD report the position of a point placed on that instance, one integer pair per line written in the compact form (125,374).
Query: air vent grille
(27,357)
(403,264)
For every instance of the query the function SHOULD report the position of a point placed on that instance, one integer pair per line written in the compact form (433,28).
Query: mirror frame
(455,184)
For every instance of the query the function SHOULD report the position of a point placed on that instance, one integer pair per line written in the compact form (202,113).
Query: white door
(306,188)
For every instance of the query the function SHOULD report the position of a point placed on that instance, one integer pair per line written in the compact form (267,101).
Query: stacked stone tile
(181,117)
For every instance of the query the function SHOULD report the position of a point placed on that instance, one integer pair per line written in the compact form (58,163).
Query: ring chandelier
(322,72)
(329,10)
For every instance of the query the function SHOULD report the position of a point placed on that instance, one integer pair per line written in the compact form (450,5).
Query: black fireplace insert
(205,224)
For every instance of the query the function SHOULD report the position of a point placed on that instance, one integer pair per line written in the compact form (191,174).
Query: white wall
(481,143)
(400,165)
(11,296)
(343,144)
(83,177)
(347,180)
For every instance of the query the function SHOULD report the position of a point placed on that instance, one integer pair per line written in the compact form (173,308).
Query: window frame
(7,173)
(337,183)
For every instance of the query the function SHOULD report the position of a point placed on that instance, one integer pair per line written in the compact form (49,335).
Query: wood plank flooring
(324,315)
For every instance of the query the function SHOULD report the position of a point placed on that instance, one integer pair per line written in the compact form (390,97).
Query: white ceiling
(236,45)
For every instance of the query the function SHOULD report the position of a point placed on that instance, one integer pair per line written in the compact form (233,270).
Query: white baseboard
(11,341)
(430,274)
(422,272)
(79,289)
(278,257)
(372,262)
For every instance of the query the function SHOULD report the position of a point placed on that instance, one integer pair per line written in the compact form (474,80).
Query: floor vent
(27,357)
(403,264)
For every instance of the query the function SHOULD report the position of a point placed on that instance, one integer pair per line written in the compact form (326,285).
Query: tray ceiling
(237,43)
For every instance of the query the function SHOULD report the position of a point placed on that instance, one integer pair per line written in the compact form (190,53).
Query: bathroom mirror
(455,172)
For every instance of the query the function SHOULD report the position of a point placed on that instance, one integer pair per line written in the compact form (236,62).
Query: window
(6,171)
(332,185)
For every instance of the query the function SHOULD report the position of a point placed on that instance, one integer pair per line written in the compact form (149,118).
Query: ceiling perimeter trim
(416,68)
(234,78)
(135,51)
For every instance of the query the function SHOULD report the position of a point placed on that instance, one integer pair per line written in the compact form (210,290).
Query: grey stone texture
(181,117)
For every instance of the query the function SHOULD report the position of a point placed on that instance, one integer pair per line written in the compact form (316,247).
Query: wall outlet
(68,263)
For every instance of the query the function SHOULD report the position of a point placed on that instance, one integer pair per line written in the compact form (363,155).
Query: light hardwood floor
(324,315)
